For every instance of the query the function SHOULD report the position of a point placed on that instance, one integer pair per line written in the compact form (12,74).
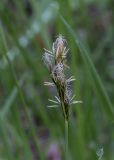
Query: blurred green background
(28,129)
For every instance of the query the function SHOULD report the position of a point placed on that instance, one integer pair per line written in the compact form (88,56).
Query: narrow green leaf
(11,98)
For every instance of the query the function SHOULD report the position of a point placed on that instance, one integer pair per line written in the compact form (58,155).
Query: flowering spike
(55,61)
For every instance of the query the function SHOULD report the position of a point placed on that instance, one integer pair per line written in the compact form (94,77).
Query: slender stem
(66,130)
(66,139)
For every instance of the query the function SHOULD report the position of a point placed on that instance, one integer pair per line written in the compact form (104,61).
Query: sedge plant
(55,61)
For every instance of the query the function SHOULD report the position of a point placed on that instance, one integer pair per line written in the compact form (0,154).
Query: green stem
(66,139)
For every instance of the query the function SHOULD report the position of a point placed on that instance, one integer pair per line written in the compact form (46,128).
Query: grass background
(28,129)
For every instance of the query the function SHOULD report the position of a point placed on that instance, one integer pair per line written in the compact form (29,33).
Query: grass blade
(96,81)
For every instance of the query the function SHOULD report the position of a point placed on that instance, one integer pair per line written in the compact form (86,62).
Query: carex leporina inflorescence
(55,61)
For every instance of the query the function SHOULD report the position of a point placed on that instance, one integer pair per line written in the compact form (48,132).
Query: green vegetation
(28,128)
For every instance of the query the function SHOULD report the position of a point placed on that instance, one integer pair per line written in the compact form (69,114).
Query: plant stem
(66,139)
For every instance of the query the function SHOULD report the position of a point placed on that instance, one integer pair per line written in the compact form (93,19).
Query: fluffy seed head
(56,64)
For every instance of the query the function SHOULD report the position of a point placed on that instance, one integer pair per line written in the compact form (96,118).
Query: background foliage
(28,129)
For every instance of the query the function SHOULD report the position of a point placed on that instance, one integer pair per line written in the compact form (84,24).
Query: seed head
(55,62)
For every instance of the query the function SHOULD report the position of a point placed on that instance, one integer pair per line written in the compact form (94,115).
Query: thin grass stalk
(5,140)
(16,118)
(96,81)
(28,116)
(66,121)
(21,132)
(66,140)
